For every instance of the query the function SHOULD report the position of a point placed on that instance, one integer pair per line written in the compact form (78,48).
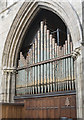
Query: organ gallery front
(45,78)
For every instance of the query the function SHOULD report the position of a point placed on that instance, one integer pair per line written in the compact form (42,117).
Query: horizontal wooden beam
(44,62)
(51,94)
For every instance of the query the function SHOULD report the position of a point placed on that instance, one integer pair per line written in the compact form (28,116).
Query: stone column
(13,86)
(8,84)
(82,75)
(77,54)
(5,86)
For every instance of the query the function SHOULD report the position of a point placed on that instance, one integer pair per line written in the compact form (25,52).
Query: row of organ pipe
(50,76)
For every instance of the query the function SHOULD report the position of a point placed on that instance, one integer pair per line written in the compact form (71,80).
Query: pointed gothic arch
(24,18)
(20,25)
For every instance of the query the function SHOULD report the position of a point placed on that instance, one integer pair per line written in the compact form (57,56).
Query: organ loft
(42,59)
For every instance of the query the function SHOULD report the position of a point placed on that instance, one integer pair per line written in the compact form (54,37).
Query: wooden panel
(12,111)
(51,107)
(47,107)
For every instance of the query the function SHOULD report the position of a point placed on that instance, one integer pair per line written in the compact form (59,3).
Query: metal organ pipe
(45,57)
(51,63)
(53,56)
(44,73)
(39,59)
(33,74)
(42,58)
(56,85)
(72,69)
(48,57)
(36,68)
(68,40)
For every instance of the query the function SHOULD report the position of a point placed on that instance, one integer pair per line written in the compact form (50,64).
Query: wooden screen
(48,66)
(51,107)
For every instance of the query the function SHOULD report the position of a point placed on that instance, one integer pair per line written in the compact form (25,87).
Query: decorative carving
(67,102)
(8,69)
(76,53)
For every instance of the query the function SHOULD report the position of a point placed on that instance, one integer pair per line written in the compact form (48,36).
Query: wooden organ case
(45,79)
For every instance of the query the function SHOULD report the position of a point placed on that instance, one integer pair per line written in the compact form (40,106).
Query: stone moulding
(24,17)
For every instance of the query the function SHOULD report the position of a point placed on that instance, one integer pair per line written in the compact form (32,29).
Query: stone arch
(20,25)
(25,16)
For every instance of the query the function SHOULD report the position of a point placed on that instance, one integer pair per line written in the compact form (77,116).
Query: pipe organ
(48,67)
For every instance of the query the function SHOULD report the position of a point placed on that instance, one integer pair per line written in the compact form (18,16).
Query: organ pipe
(39,59)
(36,68)
(51,63)
(48,57)
(45,56)
(44,75)
(42,58)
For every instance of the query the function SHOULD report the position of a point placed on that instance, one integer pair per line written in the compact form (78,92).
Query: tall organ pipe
(36,67)
(33,68)
(58,51)
(29,74)
(39,59)
(56,67)
(51,63)
(45,56)
(48,57)
(66,61)
(42,57)
(64,68)
(59,69)
(72,69)
(53,49)
(68,39)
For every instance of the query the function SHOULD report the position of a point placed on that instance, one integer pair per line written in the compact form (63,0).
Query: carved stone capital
(76,53)
(9,70)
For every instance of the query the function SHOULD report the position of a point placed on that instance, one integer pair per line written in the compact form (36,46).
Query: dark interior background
(53,22)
